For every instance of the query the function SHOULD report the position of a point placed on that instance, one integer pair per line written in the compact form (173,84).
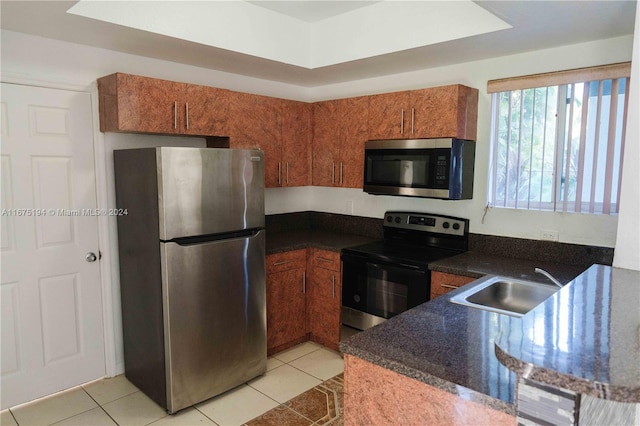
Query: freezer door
(215,317)
(209,191)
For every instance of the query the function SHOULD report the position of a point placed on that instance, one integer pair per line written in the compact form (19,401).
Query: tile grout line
(12,416)
(300,414)
(100,405)
(283,404)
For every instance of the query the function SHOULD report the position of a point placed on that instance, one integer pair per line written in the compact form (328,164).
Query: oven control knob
(456,226)
(397,219)
(356,298)
(389,219)
(445,225)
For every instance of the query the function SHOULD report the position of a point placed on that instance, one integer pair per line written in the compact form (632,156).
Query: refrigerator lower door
(214,297)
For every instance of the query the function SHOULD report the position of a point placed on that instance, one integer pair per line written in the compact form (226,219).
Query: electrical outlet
(549,235)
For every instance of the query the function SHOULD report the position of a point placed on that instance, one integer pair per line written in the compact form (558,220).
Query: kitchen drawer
(286,261)
(443,283)
(325,259)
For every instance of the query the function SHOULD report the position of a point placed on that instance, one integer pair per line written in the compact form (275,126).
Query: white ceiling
(312,10)
(313,43)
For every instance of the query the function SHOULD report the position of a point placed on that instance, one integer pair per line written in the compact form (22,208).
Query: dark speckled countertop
(278,242)
(585,338)
(445,345)
(476,264)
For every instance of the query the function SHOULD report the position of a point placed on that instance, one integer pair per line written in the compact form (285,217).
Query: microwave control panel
(426,222)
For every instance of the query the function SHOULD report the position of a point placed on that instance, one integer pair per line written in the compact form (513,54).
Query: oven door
(374,291)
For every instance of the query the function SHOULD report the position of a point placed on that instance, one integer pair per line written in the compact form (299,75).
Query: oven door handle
(383,266)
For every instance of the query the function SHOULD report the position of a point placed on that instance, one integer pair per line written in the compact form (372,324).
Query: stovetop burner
(416,239)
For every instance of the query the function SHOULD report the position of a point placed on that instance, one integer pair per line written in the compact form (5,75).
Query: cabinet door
(255,122)
(131,103)
(389,114)
(325,259)
(326,143)
(443,283)
(448,111)
(293,259)
(324,307)
(205,110)
(296,143)
(286,307)
(354,113)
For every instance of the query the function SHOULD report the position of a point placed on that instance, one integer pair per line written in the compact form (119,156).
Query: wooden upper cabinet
(326,142)
(387,115)
(448,111)
(130,103)
(354,121)
(206,110)
(136,104)
(339,133)
(296,143)
(437,112)
(255,122)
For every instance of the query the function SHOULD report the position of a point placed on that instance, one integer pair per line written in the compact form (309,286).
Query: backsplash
(518,248)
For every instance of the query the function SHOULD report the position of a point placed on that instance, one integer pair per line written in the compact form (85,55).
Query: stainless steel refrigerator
(192,270)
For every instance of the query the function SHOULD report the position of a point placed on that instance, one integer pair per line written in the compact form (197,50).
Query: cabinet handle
(324,259)
(449,286)
(279,173)
(333,285)
(287,180)
(186,113)
(282,262)
(333,173)
(304,282)
(175,115)
(402,122)
(340,173)
(413,114)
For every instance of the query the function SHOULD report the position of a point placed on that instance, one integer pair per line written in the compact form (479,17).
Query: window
(557,140)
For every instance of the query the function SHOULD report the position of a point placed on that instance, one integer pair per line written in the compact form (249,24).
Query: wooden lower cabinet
(443,283)
(324,297)
(286,300)
(303,298)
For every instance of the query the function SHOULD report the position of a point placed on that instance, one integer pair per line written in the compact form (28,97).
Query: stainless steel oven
(385,278)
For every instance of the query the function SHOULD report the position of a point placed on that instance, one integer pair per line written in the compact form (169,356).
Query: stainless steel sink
(504,295)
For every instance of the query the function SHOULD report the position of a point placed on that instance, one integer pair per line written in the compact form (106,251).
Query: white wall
(627,253)
(35,60)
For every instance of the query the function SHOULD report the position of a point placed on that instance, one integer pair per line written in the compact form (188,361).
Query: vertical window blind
(558,140)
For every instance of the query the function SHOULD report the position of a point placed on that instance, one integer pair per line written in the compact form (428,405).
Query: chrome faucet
(548,275)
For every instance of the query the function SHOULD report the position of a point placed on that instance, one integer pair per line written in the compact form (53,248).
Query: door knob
(91,257)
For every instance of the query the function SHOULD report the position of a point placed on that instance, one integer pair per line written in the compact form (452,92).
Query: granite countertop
(278,242)
(585,338)
(475,264)
(445,345)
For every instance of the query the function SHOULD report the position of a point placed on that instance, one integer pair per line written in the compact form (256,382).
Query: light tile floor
(116,401)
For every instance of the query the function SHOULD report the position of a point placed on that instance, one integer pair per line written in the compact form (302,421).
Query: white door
(51,299)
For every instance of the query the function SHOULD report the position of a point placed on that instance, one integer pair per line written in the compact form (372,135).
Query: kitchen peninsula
(437,363)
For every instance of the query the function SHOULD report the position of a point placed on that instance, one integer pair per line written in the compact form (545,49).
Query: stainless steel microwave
(433,168)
